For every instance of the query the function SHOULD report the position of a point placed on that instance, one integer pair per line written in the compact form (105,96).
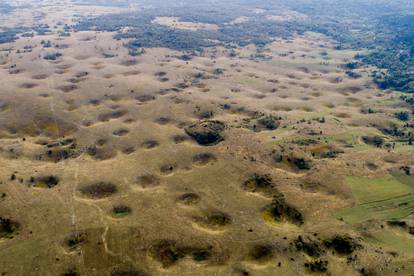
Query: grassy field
(378,198)
(394,239)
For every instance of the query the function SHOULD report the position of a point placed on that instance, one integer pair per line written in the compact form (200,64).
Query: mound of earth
(206,133)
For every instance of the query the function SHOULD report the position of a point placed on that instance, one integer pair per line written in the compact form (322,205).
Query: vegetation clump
(148,181)
(343,245)
(269,122)
(206,133)
(402,116)
(189,198)
(260,183)
(320,266)
(8,228)
(215,220)
(118,271)
(121,210)
(261,253)
(202,159)
(45,181)
(279,210)
(76,239)
(308,246)
(376,140)
(168,252)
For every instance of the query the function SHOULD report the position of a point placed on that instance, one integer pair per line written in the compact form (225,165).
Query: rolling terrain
(143,138)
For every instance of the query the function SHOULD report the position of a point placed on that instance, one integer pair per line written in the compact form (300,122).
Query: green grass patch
(394,239)
(383,198)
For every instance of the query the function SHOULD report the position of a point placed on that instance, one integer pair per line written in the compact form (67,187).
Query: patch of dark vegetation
(403,116)
(4,106)
(206,133)
(376,140)
(343,245)
(121,132)
(101,153)
(71,272)
(148,181)
(99,190)
(266,123)
(128,150)
(215,220)
(397,223)
(203,114)
(44,181)
(40,76)
(297,160)
(68,88)
(203,159)
(52,56)
(280,211)
(168,252)
(300,162)
(178,139)
(150,144)
(326,151)
(121,210)
(167,169)
(145,98)
(121,271)
(308,246)
(28,85)
(60,150)
(199,254)
(163,120)
(261,253)
(259,183)
(189,198)
(320,266)
(76,240)
(8,228)
(104,117)
(239,272)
